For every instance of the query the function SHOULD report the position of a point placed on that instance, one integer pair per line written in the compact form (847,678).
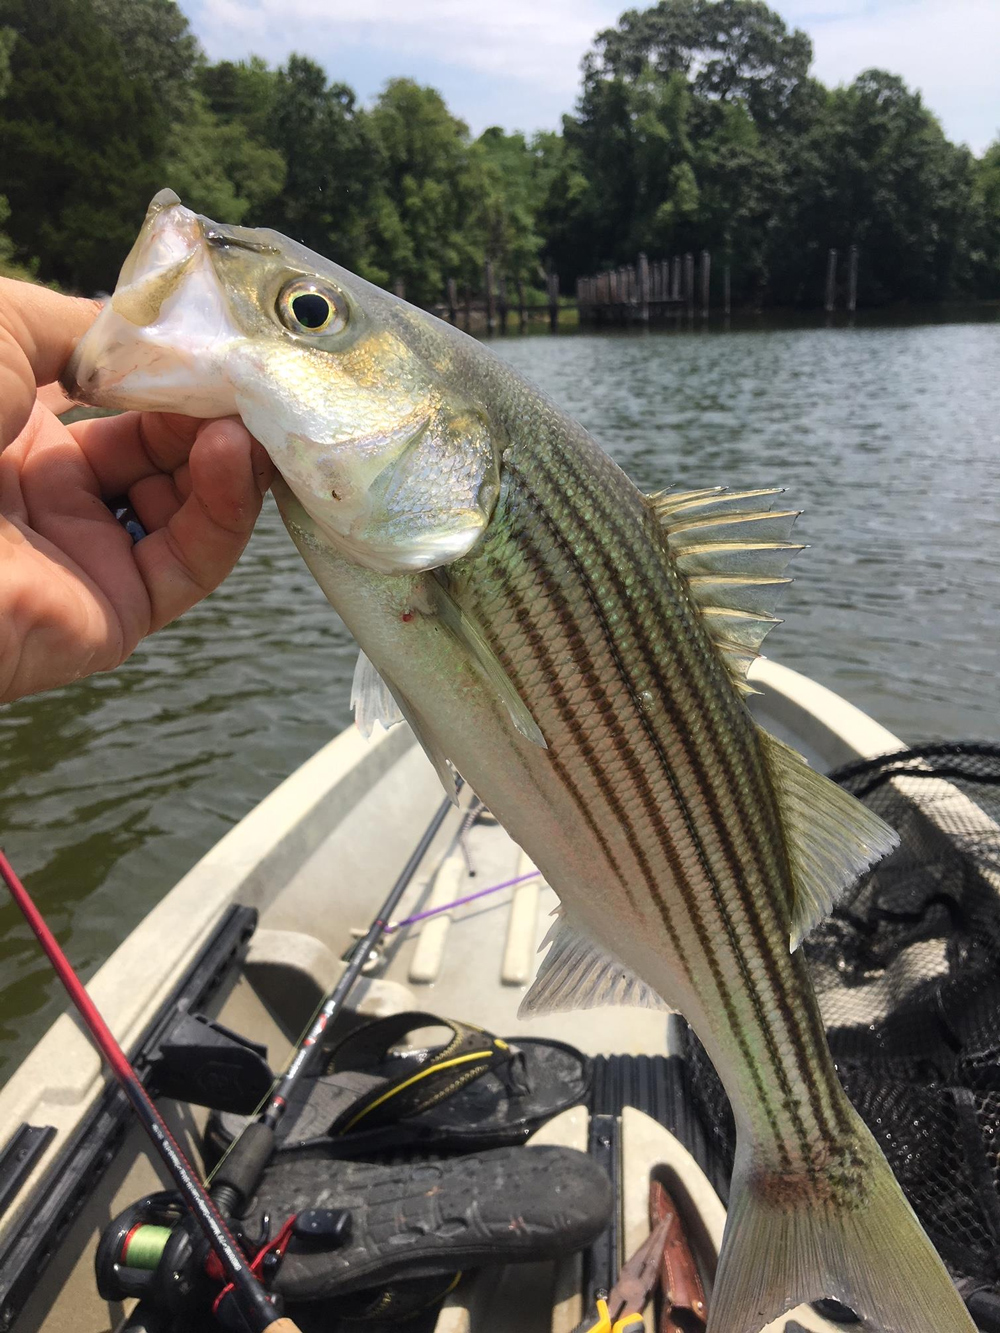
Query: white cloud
(525,40)
(517,62)
(948,49)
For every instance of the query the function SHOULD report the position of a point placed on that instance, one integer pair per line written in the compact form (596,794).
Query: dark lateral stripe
(688,892)
(748,828)
(530,630)
(766,954)
(766,951)
(801,1020)
(584,663)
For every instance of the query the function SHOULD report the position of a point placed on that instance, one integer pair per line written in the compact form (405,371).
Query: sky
(516,63)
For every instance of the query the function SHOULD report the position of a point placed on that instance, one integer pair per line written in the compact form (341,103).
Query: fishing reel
(153,1251)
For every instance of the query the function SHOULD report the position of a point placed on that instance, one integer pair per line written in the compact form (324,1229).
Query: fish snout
(160,341)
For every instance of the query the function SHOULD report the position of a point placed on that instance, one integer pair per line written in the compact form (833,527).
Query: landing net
(907,973)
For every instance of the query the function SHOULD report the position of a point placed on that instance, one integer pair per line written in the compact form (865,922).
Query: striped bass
(577,651)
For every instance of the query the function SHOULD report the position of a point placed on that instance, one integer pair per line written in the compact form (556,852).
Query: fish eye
(310,306)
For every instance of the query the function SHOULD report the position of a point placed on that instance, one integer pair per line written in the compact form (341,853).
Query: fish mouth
(160,341)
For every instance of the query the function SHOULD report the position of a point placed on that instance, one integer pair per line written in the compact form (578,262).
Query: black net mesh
(907,973)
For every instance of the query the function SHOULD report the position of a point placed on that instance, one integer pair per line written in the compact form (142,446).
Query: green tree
(559,191)
(505,217)
(876,170)
(7,266)
(427,193)
(155,44)
(727,50)
(681,133)
(241,92)
(81,143)
(981,257)
(220,169)
(323,139)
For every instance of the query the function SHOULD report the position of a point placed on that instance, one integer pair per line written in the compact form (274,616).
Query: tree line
(698,125)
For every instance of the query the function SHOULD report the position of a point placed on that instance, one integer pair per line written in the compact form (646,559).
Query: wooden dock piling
(831,280)
(553,292)
(522,309)
(468,308)
(852,279)
(399,288)
(689,284)
(727,304)
(452,301)
(706,277)
(502,304)
(490,298)
(643,293)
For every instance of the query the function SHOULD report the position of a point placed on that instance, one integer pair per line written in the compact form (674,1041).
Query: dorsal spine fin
(732,547)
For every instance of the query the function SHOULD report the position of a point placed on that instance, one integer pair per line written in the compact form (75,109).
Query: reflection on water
(888,439)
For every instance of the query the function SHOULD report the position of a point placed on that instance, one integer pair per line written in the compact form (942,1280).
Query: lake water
(887,437)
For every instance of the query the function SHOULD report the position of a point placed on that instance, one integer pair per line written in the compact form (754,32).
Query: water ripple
(888,439)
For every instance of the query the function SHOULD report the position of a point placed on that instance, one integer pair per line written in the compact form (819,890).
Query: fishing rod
(253,1302)
(237,1175)
(141,1253)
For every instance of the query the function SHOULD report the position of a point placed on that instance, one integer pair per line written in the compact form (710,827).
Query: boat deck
(315,859)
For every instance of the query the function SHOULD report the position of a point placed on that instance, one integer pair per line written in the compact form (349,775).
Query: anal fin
(578,973)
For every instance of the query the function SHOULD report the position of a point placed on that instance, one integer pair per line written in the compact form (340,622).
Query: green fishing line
(145,1246)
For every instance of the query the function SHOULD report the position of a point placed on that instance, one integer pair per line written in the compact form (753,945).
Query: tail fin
(875,1258)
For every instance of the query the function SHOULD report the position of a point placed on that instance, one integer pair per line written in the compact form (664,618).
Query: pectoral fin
(472,638)
(372,699)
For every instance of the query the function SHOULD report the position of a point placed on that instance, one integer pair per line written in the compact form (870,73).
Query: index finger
(38,330)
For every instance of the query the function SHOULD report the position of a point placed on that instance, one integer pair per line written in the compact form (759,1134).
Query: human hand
(76,596)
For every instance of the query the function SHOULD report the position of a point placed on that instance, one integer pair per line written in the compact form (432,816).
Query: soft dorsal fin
(578,973)
(830,836)
(372,699)
(733,548)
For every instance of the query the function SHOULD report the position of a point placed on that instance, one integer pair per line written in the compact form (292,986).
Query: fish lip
(172,246)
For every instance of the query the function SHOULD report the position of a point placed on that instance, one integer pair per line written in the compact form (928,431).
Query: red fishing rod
(251,1298)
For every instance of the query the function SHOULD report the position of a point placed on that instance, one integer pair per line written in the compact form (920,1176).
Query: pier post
(399,287)
(727,304)
(643,272)
(553,302)
(490,308)
(452,301)
(706,276)
(502,303)
(831,280)
(522,309)
(852,279)
(689,283)
(468,308)
(675,284)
